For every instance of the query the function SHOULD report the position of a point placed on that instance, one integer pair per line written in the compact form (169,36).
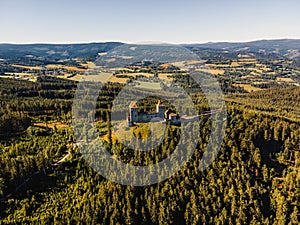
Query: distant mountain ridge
(287,48)
(55,51)
(271,44)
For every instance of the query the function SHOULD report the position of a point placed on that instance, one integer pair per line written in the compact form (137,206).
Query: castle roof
(133,105)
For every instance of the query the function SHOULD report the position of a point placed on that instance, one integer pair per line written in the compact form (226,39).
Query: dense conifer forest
(253,180)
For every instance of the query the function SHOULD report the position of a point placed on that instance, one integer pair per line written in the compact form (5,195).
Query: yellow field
(247,87)
(33,79)
(6,76)
(248,77)
(19,74)
(118,80)
(165,76)
(27,76)
(259,65)
(70,68)
(235,64)
(165,65)
(51,125)
(255,70)
(218,65)
(283,79)
(54,66)
(77,77)
(126,57)
(255,73)
(213,71)
(144,74)
(193,62)
(124,69)
(89,65)
(110,60)
(27,67)
(247,60)
(103,77)
(65,76)
(74,68)
(261,82)
(178,64)
(102,53)
(266,69)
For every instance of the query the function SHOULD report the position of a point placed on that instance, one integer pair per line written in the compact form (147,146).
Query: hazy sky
(174,21)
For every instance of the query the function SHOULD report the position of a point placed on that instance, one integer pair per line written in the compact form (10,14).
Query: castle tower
(160,109)
(133,113)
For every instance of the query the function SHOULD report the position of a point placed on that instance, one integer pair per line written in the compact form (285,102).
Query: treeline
(282,102)
(13,122)
(226,84)
(21,100)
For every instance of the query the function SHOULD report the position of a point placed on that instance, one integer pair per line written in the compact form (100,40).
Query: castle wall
(146,117)
(135,116)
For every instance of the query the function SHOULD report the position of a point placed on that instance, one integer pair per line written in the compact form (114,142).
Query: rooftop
(133,105)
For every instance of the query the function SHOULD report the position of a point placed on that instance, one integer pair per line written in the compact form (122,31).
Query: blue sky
(189,21)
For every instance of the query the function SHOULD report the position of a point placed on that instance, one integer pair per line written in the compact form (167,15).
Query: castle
(159,115)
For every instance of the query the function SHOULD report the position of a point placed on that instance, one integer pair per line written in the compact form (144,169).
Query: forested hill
(285,48)
(281,102)
(55,51)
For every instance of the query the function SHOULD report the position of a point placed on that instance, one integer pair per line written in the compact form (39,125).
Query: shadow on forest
(268,148)
(44,182)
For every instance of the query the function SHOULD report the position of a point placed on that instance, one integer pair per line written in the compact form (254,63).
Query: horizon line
(141,42)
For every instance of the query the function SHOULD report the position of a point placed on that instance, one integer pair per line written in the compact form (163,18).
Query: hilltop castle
(159,115)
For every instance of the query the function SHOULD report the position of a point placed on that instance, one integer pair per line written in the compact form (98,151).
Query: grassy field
(213,71)
(19,74)
(149,85)
(51,125)
(235,64)
(283,79)
(6,76)
(247,87)
(103,77)
(120,80)
(144,130)
(179,64)
(27,67)
(69,68)
(165,76)
(77,77)
(143,74)
(247,61)
(25,76)
(194,62)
